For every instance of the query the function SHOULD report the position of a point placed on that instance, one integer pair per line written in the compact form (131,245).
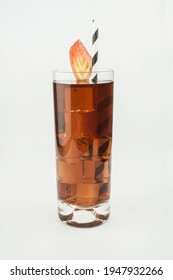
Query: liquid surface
(83,125)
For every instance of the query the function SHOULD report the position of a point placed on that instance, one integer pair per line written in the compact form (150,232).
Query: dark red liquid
(83,124)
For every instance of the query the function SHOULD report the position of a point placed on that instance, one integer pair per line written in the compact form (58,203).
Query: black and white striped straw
(95,50)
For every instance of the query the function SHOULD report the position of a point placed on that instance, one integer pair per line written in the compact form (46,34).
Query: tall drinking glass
(83,112)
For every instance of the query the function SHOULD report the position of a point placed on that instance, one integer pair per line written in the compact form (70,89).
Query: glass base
(77,216)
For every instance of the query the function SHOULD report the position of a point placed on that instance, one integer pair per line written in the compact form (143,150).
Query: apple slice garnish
(81,61)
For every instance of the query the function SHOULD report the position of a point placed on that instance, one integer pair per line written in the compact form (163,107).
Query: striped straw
(95,49)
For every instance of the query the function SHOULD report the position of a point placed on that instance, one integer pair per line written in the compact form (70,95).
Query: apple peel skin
(81,61)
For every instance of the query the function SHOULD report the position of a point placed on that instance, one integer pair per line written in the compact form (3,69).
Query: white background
(136,40)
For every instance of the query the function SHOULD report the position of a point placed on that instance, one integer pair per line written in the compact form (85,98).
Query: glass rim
(100,70)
